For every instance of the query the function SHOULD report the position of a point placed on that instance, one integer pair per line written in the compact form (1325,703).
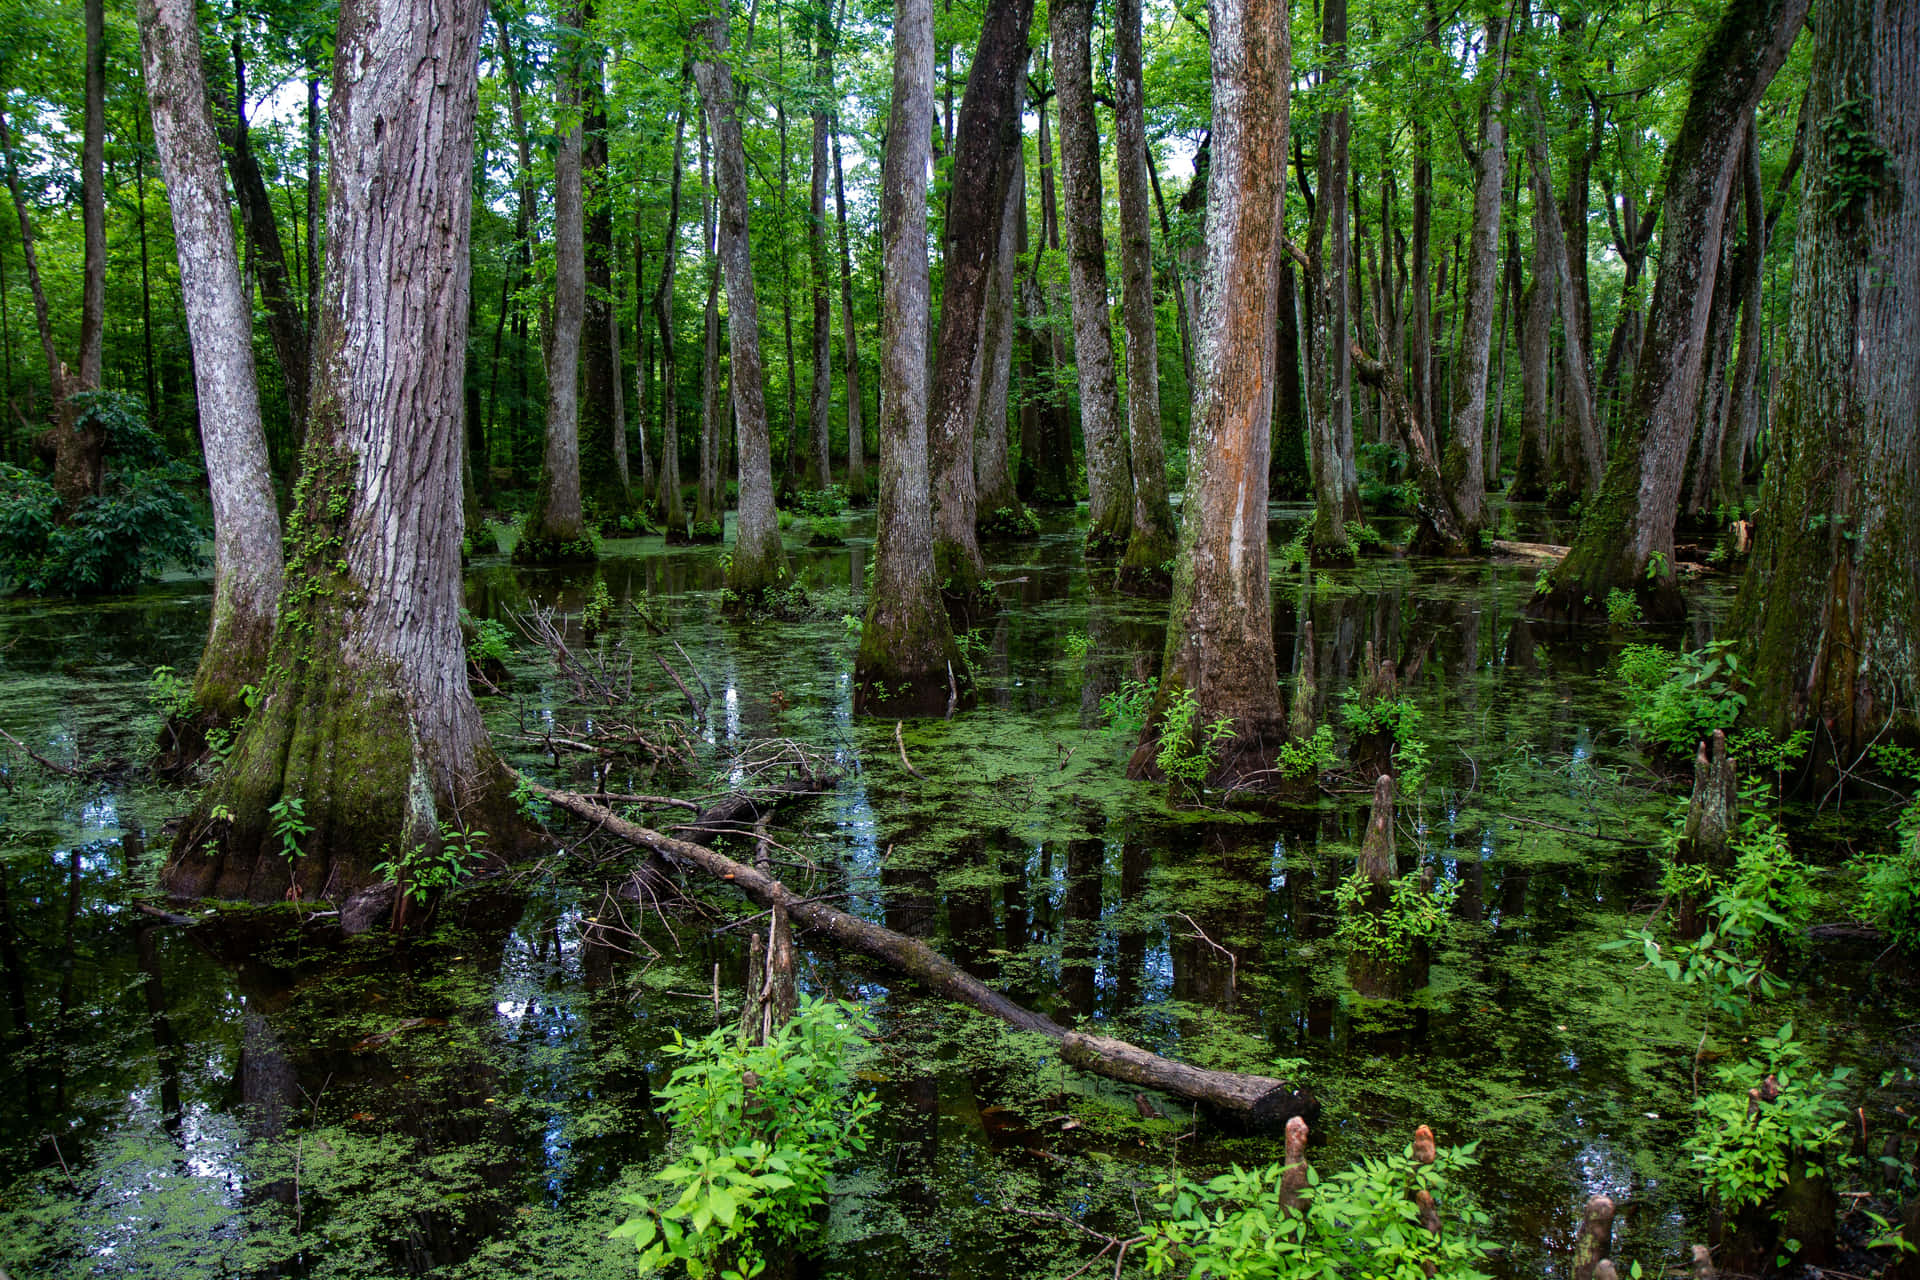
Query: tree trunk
(976,210)
(364,715)
(1566,291)
(1744,411)
(1289,476)
(1831,601)
(759,559)
(1465,465)
(1330,394)
(246,523)
(556,529)
(908,662)
(820,402)
(1109,475)
(709,503)
(1150,545)
(849,341)
(671,508)
(1626,535)
(1220,623)
(1422,244)
(999,511)
(602,433)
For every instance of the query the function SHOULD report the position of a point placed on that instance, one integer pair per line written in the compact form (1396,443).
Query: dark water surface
(250,1097)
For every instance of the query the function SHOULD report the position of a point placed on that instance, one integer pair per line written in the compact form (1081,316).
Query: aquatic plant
(424,870)
(1623,609)
(1772,1111)
(1677,699)
(1306,757)
(757,1129)
(1189,748)
(1125,709)
(1415,913)
(1363,1221)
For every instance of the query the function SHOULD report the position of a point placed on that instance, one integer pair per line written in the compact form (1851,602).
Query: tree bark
(908,662)
(669,504)
(709,502)
(976,210)
(1220,623)
(820,402)
(556,528)
(1626,536)
(850,342)
(1150,544)
(1465,464)
(1109,474)
(759,558)
(999,511)
(246,523)
(1566,291)
(364,715)
(1831,601)
(603,430)
(1330,380)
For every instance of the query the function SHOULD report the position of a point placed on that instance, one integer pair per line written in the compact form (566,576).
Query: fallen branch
(1248,1099)
(699,712)
(900,740)
(69,771)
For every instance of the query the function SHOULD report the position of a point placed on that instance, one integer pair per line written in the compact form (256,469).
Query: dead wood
(1247,1099)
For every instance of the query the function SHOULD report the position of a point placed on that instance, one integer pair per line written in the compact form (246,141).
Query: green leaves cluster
(1743,1145)
(426,869)
(1362,1222)
(1677,699)
(1189,749)
(1308,757)
(758,1129)
(1415,913)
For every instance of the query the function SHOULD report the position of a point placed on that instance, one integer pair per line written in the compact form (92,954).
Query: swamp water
(251,1098)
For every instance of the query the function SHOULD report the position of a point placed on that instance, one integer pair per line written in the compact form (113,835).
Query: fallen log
(1253,1100)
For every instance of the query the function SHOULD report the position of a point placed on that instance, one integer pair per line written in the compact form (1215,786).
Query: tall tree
(850,341)
(988,134)
(1151,541)
(603,427)
(1831,602)
(1465,463)
(669,504)
(709,506)
(1109,475)
(908,661)
(1220,624)
(1626,535)
(999,511)
(1330,386)
(246,524)
(364,716)
(556,528)
(759,559)
(820,401)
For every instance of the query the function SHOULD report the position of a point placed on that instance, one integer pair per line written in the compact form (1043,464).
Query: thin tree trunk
(246,524)
(982,173)
(1150,543)
(850,341)
(1626,534)
(1000,511)
(1575,360)
(602,430)
(908,662)
(1465,465)
(820,403)
(556,525)
(1745,411)
(1109,475)
(1831,602)
(1220,623)
(1336,496)
(759,558)
(709,505)
(672,510)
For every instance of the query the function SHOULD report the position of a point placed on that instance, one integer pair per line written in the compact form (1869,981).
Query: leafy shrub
(1125,709)
(824,531)
(1623,608)
(1188,748)
(1676,700)
(1414,914)
(1395,716)
(757,1130)
(1891,886)
(1302,758)
(1363,1221)
(830,501)
(491,641)
(598,610)
(423,870)
(1743,1147)
(170,694)
(1364,536)
(1294,552)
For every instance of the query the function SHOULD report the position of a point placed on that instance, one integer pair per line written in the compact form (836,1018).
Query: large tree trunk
(759,559)
(849,341)
(1151,543)
(709,505)
(1465,464)
(1220,625)
(908,662)
(1330,373)
(246,523)
(556,528)
(976,210)
(669,504)
(1831,603)
(1109,475)
(1744,409)
(1422,361)
(603,429)
(364,715)
(1626,536)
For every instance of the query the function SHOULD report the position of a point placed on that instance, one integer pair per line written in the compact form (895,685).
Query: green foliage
(1364,536)
(1743,1146)
(1414,914)
(290,825)
(972,644)
(171,696)
(822,503)
(425,869)
(757,1130)
(1125,710)
(532,805)
(1074,645)
(598,610)
(824,531)
(142,523)
(1858,166)
(1383,486)
(1294,552)
(1676,700)
(1891,884)
(492,641)
(1362,1222)
(1189,749)
(1308,757)
(1623,608)
(1395,716)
